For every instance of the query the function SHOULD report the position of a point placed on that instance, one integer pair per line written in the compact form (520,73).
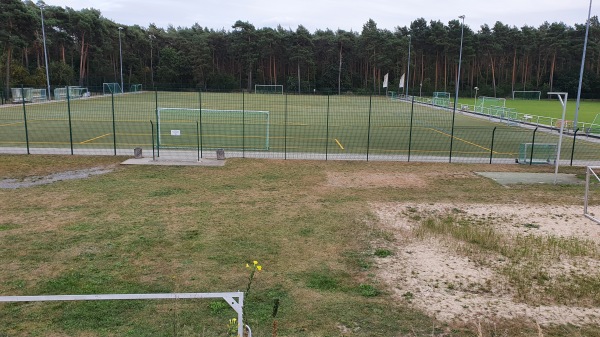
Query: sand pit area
(435,275)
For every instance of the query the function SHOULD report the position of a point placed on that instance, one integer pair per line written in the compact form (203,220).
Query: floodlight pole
(121,58)
(457,84)
(587,30)
(475,103)
(562,127)
(420,88)
(459,60)
(41,4)
(408,69)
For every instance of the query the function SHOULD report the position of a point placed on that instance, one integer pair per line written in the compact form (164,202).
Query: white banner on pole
(385,80)
(401,85)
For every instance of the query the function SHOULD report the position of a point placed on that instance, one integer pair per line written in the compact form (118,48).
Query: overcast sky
(334,14)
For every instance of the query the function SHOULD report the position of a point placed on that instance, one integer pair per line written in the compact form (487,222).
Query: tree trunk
(82,60)
(493,74)
(7,78)
(552,71)
(514,70)
(445,72)
(437,70)
(298,77)
(340,73)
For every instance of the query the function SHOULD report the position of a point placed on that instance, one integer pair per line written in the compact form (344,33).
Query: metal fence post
(243,125)
(152,127)
(198,138)
(492,145)
(200,127)
(114,127)
(327,130)
(369,126)
(532,146)
(285,123)
(157,122)
(25,119)
(412,111)
(573,148)
(70,124)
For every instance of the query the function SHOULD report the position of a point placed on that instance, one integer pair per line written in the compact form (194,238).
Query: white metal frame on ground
(230,298)
(590,172)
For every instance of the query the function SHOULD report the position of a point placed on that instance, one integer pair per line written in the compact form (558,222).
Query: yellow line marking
(463,140)
(11,124)
(93,139)
(339,144)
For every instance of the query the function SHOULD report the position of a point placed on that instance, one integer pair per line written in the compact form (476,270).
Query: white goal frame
(230,298)
(278,87)
(539,97)
(591,171)
(205,112)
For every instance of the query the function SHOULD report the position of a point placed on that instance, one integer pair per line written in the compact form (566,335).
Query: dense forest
(83,49)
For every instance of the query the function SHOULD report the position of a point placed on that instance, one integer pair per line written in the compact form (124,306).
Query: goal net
(441,99)
(111,88)
(268,89)
(540,153)
(527,95)
(213,129)
(20,95)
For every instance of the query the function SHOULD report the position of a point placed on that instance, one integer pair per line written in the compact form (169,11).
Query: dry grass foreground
(319,228)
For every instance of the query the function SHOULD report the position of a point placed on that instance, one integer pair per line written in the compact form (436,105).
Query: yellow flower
(255,262)
(247,265)
(259,268)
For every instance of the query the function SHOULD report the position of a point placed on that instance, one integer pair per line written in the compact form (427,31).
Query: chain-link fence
(193,124)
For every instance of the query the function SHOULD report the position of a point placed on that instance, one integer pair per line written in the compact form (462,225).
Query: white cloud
(333,14)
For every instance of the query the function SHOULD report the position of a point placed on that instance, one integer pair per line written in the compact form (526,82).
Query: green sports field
(273,125)
(551,108)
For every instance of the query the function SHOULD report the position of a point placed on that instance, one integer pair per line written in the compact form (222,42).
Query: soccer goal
(540,153)
(527,95)
(111,88)
(489,105)
(441,99)
(182,128)
(268,89)
(135,88)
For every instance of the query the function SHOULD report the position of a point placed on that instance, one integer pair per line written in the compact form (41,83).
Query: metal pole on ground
(562,128)
(121,58)
(42,5)
(70,124)
(114,127)
(25,119)
(408,68)
(587,30)
(457,83)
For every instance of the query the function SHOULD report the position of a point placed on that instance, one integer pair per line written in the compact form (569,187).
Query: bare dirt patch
(432,275)
(54,177)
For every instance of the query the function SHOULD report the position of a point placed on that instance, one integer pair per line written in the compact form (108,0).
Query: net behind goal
(268,89)
(213,129)
(529,95)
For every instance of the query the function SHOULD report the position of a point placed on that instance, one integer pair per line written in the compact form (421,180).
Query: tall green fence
(193,125)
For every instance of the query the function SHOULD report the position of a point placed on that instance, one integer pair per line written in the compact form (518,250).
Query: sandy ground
(433,276)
